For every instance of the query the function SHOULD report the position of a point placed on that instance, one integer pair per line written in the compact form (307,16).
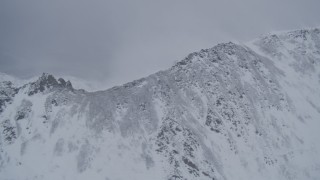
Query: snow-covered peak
(6,77)
(296,34)
(77,83)
(307,38)
(14,80)
(48,81)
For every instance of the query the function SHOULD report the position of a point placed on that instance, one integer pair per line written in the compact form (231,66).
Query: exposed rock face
(229,112)
(7,91)
(47,81)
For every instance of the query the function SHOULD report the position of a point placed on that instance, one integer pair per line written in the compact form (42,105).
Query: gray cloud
(116,41)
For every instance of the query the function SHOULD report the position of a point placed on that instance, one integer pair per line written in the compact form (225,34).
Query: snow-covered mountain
(234,111)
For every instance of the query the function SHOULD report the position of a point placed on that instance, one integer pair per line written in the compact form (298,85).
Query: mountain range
(233,111)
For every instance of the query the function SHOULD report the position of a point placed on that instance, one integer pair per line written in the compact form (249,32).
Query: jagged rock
(47,81)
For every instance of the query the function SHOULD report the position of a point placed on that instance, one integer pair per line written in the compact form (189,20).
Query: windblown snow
(234,111)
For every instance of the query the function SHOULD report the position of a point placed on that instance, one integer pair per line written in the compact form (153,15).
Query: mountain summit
(234,111)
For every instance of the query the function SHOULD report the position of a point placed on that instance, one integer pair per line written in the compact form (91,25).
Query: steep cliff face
(234,111)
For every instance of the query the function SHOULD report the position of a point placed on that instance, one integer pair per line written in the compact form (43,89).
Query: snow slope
(234,111)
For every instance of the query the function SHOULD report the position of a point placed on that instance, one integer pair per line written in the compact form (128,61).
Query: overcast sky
(116,41)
